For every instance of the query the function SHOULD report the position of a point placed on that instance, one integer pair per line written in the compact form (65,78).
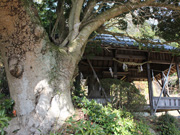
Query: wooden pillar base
(150,89)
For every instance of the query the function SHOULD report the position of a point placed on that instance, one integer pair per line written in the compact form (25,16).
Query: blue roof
(108,39)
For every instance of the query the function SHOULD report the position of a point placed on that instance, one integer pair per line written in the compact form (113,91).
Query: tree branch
(74,17)
(168,6)
(115,11)
(60,21)
(88,10)
(101,19)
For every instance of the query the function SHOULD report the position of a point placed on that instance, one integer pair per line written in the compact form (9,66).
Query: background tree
(40,62)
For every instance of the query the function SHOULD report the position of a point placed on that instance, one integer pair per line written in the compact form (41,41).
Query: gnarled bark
(39,76)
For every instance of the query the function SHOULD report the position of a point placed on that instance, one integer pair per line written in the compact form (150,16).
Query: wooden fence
(167,103)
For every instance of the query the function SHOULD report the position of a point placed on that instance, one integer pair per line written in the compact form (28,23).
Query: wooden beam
(123,56)
(132,69)
(158,81)
(95,67)
(105,67)
(161,61)
(118,73)
(119,56)
(137,78)
(99,58)
(150,88)
(101,67)
(136,49)
(129,57)
(123,78)
(84,63)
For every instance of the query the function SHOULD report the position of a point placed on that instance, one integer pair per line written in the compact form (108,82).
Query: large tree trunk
(39,75)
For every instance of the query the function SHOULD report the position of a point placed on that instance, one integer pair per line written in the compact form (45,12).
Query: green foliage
(5,102)
(116,25)
(77,93)
(83,127)
(3,121)
(142,128)
(3,80)
(93,49)
(168,125)
(105,120)
(147,31)
(78,90)
(77,102)
(169,28)
(5,112)
(124,95)
(122,24)
(168,21)
(47,13)
(55,133)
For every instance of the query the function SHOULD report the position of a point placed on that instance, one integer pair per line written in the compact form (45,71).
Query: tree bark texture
(39,76)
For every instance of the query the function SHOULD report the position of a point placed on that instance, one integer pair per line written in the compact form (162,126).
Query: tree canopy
(153,19)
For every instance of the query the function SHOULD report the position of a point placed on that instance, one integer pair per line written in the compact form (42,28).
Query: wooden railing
(169,103)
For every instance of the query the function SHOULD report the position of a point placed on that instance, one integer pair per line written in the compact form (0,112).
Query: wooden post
(95,75)
(150,88)
(115,65)
(178,73)
(163,80)
(77,85)
(165,91)
(115,70)
(93,88)
(128,93)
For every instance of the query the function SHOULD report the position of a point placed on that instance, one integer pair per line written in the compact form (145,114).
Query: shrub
(3,121)
(124,95)
(168,125)
(3,80)
(105,120)
(5,111)
(83,127)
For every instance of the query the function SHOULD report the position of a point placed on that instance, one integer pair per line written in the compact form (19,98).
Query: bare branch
(60,21)
(101,18)
(89,8)
(115,11)
(74,18)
